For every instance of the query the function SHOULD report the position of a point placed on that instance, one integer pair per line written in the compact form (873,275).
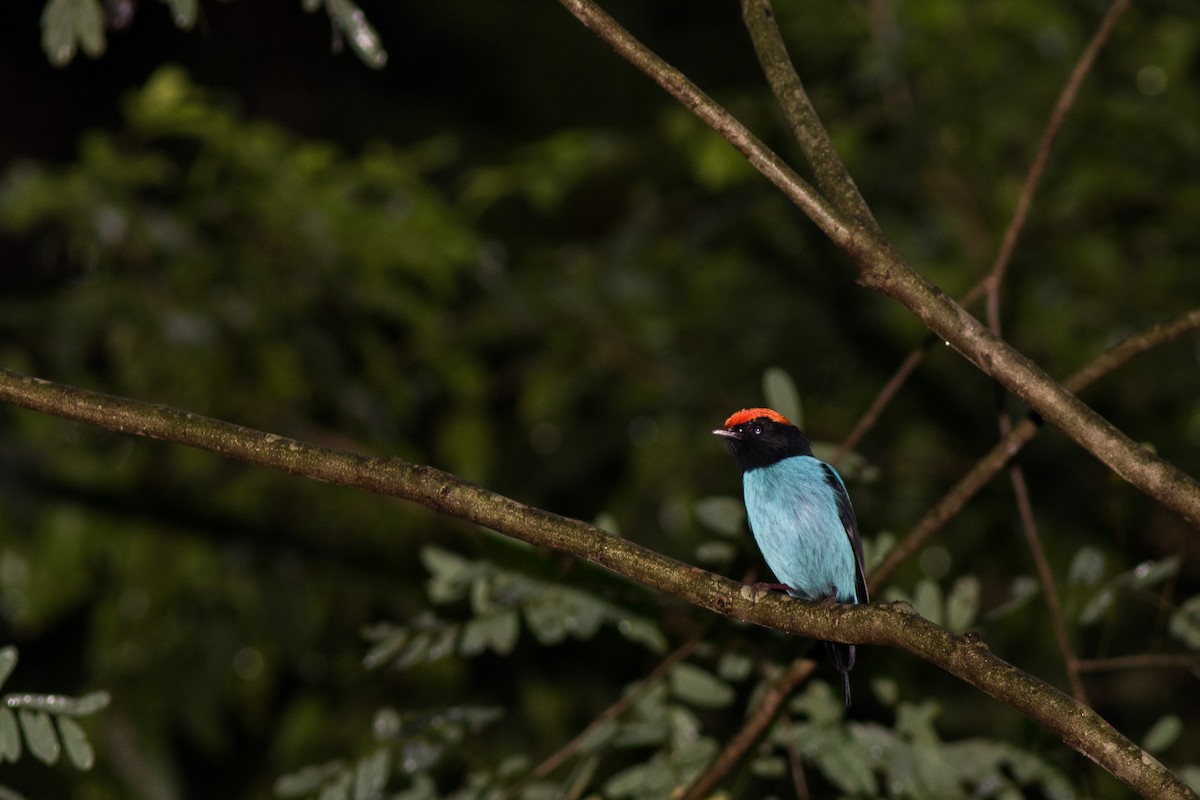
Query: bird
(800,516)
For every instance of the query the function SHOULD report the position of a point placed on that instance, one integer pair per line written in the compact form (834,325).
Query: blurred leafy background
(506,254)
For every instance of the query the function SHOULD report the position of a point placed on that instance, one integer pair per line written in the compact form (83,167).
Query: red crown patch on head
(747,414)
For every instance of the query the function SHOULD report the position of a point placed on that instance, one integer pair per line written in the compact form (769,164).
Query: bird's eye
(757,430)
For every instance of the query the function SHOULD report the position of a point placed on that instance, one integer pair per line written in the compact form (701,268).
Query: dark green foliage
(562,312)
(45,722)
(68,25)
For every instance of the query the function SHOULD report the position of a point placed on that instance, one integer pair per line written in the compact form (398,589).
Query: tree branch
(891,625)
(882,269)
(1033,178)
(627,700)
(676,84)
(1009,445)
(758,723)
(831,174)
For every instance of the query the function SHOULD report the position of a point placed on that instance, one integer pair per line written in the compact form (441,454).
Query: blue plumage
(792,507)
(800,515)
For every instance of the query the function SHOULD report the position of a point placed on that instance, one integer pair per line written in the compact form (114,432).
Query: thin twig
(994,280)
(799,781)
(1143,661)
(556,759)
(1058,115)
(758,723)
(1046,579)
(883,399)
(994,275)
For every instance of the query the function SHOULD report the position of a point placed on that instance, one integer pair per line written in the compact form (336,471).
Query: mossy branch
(890,625)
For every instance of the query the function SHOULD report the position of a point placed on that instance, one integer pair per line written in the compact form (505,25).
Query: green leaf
(598,737)
(734,666)
(641,733)
(887,690)
(1097,607)
(1087,567)
(780,393)
(415,651)
(69,24)
(1024,588)
(475,637)
(503,630)
(339,789)
(386,725)
(421,755)
(723,515)
(1191,776)
(1184,624)
(450,574)
(543,616)
(363,38)
(1163,734)
(927,600)
(423,788)
(1149,573)
(875,548)
(10,736)
(183,12)
(88,704)
(644,632)
(76,743)
(8,661)
(817,703)
(849,768)
(386,647)
(699,687)
(933,770)
(584,614)
(963,603)
(715,552)
(580,777)
(769,767)
(608,522)
(441,643)
(636,780)
(371,775)
(39,735)
(691,756)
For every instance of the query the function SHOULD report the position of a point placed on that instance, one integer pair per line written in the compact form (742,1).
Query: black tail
(842,656)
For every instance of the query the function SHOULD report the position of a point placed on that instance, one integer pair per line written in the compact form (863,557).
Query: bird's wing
(850,523)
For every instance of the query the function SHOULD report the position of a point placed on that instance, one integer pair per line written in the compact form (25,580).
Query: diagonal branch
(881,268)
(1032,180)
(1008,446)
(758,723)
(994,281)
(833,179)
(890,625)
(1066,100)
(628,700)
(676,84)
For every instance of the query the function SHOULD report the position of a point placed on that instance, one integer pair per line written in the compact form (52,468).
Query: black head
(760,437)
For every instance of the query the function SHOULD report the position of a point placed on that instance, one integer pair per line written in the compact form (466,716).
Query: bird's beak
(728,434)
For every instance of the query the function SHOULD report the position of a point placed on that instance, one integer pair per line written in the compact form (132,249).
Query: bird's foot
(761,587)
